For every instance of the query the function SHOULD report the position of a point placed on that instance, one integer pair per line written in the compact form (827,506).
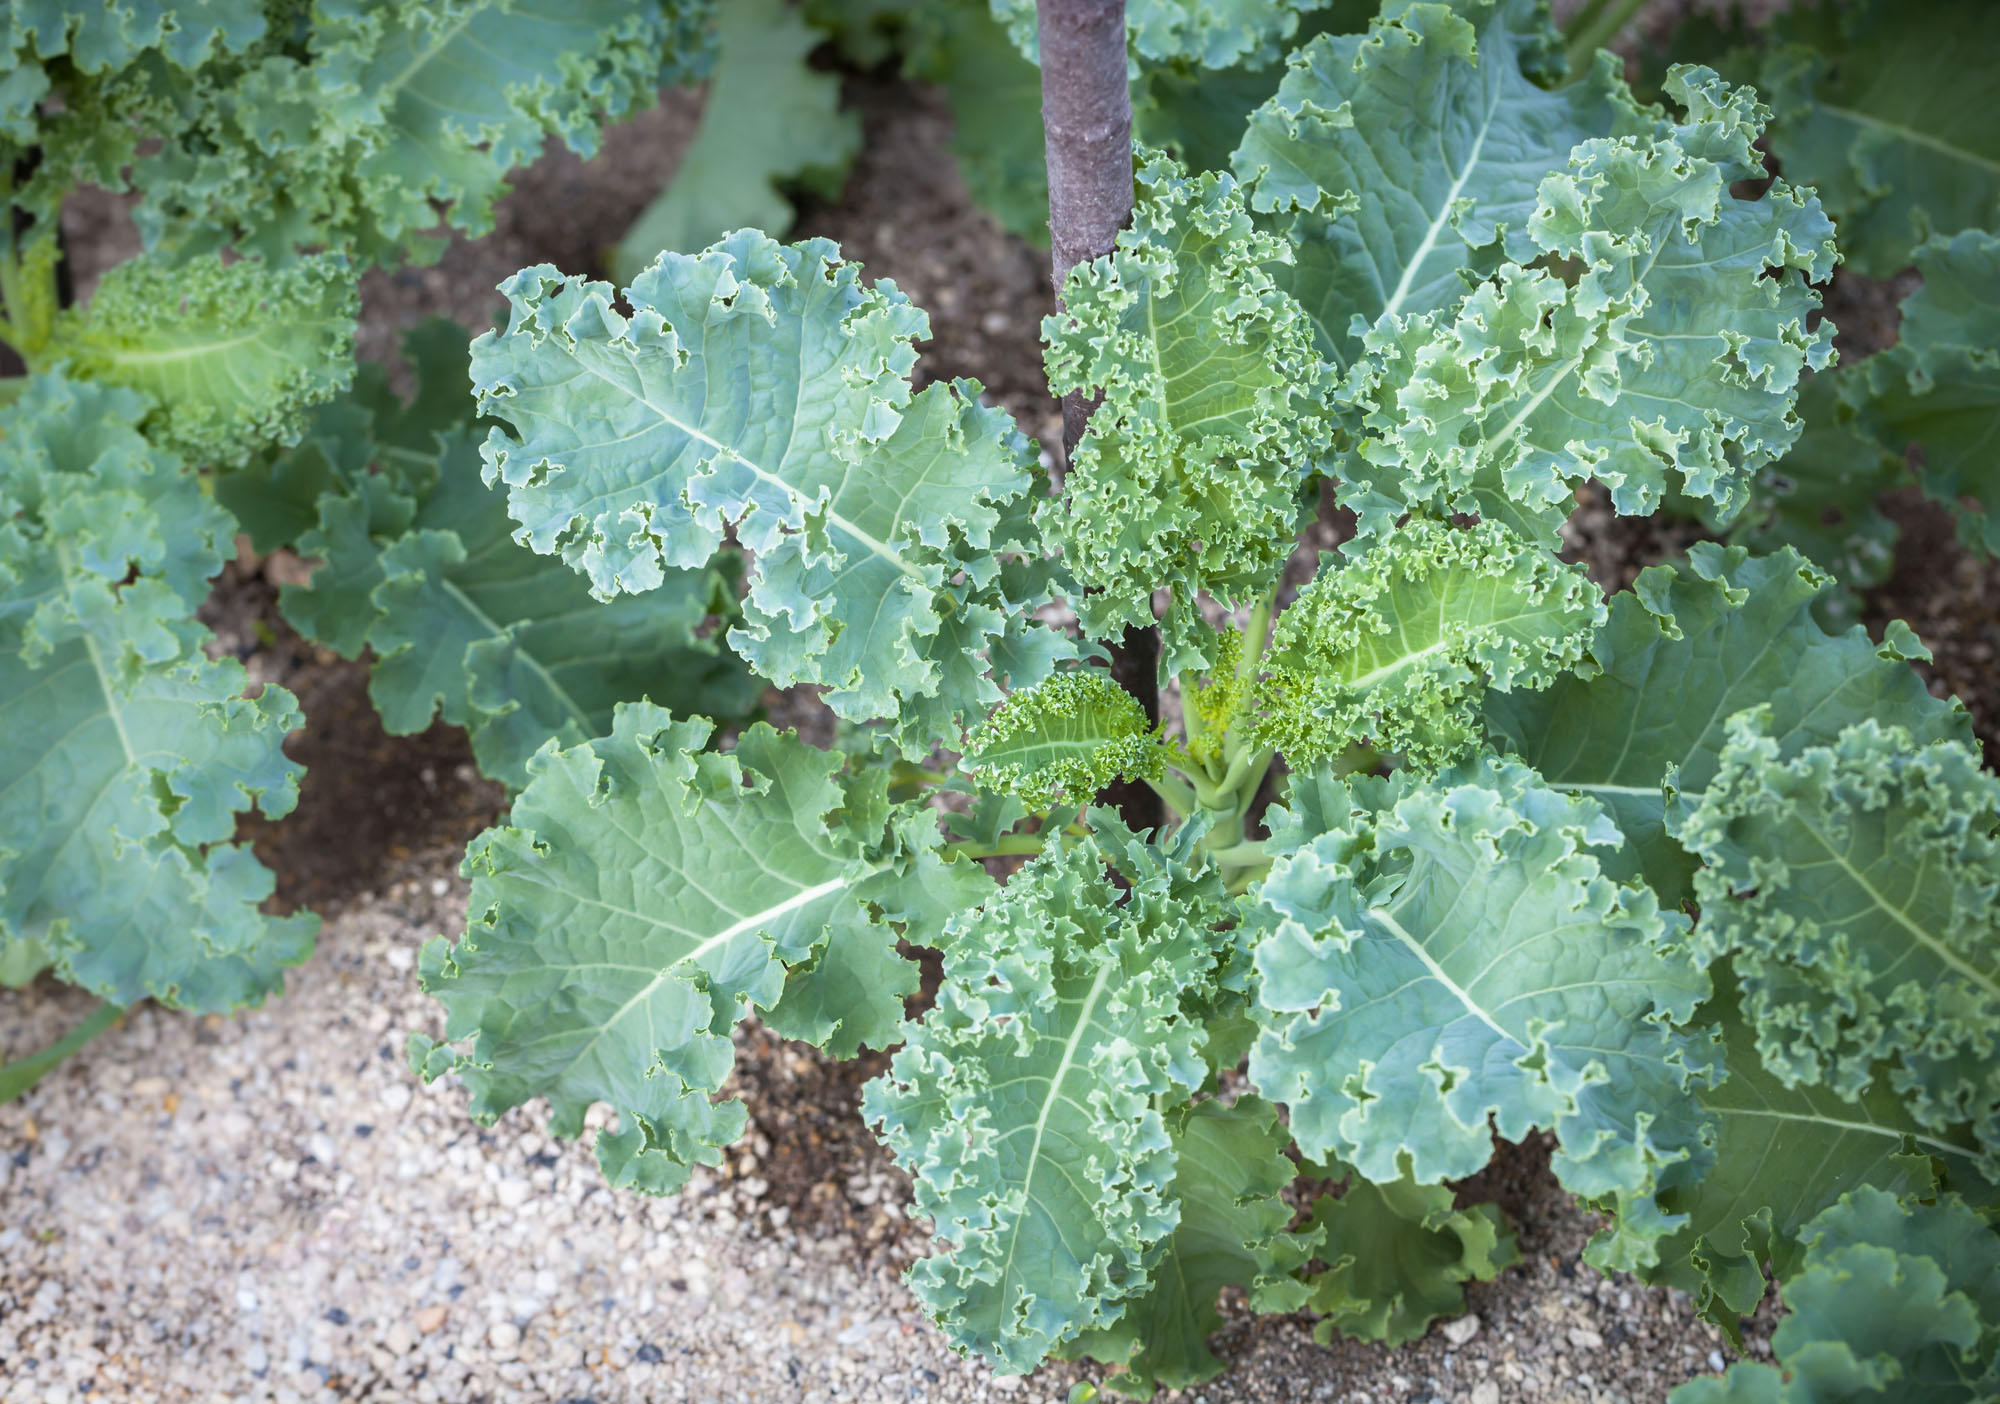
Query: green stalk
(1178,797)
(1593,27)
(1011,846)
(18,1076)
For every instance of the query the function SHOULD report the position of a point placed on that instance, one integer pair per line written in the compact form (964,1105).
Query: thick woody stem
(1087,125)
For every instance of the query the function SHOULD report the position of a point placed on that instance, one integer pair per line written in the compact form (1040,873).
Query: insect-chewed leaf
(1188,476)
(1030,1105)
(1899,146)
(1897,1299)
(1398,1257)
(1230,1171)
(126,753)
(761,386)
(1685,649)
(1661,351)
(645,895)
(1398,159)
(1856,887)
(1939,387)
(233,354)
(1784,1151)
(1451,951)
(1070,736)
(1396,645)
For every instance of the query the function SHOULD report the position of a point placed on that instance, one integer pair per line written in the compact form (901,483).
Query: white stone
(1463,1329)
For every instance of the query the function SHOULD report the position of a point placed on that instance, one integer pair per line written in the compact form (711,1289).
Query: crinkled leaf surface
(1396,645)
(1685,649)
(1856,885)
(1397,160)
(1398,1257)
(1897,1300)
(769,121)
(643,897)
(1229,1174)
(232,354)
(761,387)
(1188,476)
(1071,735)
(1662,351)
(128,753)
(1030,1105)
(1451,951)
(1212,33)
(1899,145)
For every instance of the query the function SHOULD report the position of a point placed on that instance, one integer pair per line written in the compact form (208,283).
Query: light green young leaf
(1230,1171)
(1398,160)
(1394,647)
(232,354)
(644,896)
(1656,346)
(1685,649)
(1188,477)
(769,121)
(128,754)
(1900,146)
(1067,737)
(1938,389)
(1897,1300)
(1782,1154)
(1030,1104)
(1856,886)
(1398,1257)
(1452,952)
(761,387)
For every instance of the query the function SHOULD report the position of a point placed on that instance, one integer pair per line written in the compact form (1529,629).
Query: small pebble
(1461,1330)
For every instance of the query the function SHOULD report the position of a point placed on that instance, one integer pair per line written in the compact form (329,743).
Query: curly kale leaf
(1938,389)
(1396,646)
(1784,1151)
(1450,952)
(1398,161)
(1661,349)
(644,896)
(1900,147)
(761,387)
(1398,1257)
(1856,887)
(233,354)
(128,752)
(1030,1105)
(1897,1299)
(1686,648)
(1210,33)
(769,122)
(1189,474)
(1067,737)
(1230,1171)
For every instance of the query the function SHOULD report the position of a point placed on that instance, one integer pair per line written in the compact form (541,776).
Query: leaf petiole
(23,1073)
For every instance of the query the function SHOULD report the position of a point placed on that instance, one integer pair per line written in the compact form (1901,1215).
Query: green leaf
(1938,390)
(1398,1257)
(1897,1300)
(1211,33)
(232,354)
(1783,1153)
(1899,146)
(1188,477)
(1452,952)
(1856,885)
(645,895)
(1030,1104)
(1656,346)
(1230,1172)
(128,753)
(761,387)
(1685,649)
(1398,160)
(770,121)
(1067,737)
(1395,647)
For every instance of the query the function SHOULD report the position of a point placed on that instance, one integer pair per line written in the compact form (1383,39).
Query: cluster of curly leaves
(208,386)
(1702,890)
